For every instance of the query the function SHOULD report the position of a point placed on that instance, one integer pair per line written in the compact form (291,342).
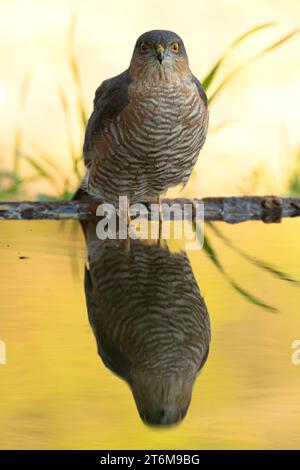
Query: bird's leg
(124,221)
(194,215)
(160,221)
(128,215)
(128,222)
(197,227)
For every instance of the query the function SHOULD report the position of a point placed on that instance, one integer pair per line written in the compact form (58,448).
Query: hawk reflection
(150,322)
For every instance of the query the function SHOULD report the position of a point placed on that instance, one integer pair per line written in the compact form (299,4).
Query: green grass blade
(238,69)
(17,136)
(41,171)
(211,253)
(75,70)
(207,81)
(209,250)
(14,184)
(72,150)
(251,298)
(257,262)
(252,31)
(79,95)
(281,41)
(294,177)
(207,247)
(52,164)
(276,272)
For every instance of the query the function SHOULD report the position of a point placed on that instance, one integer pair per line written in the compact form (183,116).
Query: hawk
(148,124)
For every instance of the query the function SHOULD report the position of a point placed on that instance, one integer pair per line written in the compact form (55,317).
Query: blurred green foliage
(294,176)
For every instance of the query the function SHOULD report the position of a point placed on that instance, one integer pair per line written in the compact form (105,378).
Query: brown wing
(110,98)
(200,90)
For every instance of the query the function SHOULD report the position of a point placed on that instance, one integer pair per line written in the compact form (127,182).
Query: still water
(56,392)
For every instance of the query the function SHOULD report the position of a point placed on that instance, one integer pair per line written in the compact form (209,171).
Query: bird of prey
(148,124)
(150,322)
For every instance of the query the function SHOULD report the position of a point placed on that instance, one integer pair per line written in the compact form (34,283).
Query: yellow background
(262,103)
(55,392)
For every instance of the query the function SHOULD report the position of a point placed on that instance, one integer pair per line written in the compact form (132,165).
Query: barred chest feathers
(153,143)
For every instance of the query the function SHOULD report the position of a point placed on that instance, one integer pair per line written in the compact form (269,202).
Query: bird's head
(159,53)
(161,401)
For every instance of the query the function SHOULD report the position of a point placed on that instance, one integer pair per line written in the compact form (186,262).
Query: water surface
(56,393)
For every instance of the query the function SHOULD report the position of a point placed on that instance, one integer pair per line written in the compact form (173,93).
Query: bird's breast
(164,117)
(152,144)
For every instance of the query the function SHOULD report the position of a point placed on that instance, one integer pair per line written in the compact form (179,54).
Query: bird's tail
(80,194)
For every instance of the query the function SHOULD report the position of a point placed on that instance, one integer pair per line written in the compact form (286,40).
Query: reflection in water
(150,322)
(50,389)
(257,262)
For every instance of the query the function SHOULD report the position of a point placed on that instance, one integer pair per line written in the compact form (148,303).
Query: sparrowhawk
(148,124)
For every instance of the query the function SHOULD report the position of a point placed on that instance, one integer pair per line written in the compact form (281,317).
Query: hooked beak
(160,52)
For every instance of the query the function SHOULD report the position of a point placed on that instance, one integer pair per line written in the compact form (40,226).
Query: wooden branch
(229,209)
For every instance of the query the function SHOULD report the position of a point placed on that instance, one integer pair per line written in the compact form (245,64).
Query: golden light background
(254,151)
(55,392)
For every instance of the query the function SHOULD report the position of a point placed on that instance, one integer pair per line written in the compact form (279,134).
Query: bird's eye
(144,47)
(174,47)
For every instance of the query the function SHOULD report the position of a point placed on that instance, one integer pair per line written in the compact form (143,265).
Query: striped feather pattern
(151,145)
(150,322)
(150,304)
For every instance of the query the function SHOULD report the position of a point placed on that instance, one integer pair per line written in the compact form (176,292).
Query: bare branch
(229,209)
